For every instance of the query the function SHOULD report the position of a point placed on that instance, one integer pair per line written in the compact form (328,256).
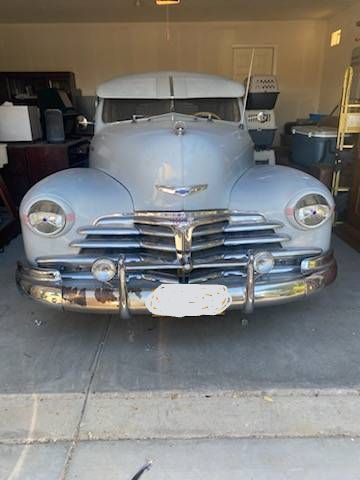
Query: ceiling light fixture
(167,2)
(335,38)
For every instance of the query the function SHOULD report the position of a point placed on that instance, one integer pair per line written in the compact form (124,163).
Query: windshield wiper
(135,118)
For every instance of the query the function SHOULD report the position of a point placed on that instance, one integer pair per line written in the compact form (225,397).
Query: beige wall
(97,52)
(336,59)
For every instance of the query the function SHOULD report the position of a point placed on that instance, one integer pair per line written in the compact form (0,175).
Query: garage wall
(97,52)
(336,59)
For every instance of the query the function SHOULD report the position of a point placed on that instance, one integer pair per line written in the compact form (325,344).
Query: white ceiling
(24,11)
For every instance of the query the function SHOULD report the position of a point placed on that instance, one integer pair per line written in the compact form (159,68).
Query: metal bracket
(250,286)
(183,243)
(123,293)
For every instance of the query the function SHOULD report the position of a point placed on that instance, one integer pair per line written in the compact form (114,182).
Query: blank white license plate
(188,300)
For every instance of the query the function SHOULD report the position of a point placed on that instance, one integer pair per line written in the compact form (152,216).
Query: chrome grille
(157,246)
(156,232)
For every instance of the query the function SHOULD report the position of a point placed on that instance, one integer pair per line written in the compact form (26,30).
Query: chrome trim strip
(171,84)
(198,231)
(108,231)
(295,252)
(125,231)
(123,293)
(171,219)
(140,262)
(38,274)
(250,227)
(268,238)
(115,219)
(250,286)
(153,218)
(316,263)
(157,246)
(87,243)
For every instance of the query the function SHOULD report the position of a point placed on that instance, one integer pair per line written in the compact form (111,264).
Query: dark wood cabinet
(22,88)
(30,162)
(9,222)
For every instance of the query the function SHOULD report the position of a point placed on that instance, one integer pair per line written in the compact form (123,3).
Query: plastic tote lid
(317,132)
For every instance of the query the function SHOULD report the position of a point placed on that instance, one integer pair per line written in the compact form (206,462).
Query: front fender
(86,193)
(269,190)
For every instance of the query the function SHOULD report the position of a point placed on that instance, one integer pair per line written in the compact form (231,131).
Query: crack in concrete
(180,439)
(93,367)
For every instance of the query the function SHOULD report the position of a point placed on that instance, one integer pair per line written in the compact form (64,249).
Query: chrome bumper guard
(47,286)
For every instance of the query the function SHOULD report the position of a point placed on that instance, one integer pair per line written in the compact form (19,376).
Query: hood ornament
(182,191)
(179,128)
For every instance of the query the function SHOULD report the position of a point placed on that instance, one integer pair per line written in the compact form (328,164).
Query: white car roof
(170,85)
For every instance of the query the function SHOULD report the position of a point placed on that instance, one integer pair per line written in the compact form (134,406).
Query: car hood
(174,162)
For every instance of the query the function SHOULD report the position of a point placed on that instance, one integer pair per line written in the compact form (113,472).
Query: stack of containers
(260,115)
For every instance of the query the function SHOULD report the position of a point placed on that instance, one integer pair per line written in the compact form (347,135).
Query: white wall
(97,52)
(336,59)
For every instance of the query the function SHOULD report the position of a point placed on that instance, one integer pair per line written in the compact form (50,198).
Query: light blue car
(173,217)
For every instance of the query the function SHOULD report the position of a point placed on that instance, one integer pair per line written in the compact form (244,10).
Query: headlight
(312,211)
(47,217)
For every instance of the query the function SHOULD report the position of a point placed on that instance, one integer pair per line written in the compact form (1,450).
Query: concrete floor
(79,392)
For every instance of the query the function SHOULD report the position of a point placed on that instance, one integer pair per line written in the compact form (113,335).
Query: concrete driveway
(86,396)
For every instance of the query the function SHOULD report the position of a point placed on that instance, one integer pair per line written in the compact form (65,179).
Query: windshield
(119,109)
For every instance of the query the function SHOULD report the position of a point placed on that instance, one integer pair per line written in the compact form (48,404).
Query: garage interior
(90,396)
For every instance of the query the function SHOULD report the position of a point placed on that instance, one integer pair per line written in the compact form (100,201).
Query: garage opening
(179,239)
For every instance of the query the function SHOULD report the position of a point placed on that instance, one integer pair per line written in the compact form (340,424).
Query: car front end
(173,218)
(114,263)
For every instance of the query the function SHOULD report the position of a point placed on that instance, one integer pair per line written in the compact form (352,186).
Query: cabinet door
(354,209)
(4,93)
(15,173)
(45,160)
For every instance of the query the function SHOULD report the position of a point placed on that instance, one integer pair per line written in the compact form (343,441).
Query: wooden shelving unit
(349,124)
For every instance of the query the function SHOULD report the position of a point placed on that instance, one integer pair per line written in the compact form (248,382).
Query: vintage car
(173,217)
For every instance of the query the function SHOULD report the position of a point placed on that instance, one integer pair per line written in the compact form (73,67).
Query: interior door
(264,61)
(355,87)
(354,207)
(353,216)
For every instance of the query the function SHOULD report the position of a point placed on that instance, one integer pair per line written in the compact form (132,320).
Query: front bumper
(47,286)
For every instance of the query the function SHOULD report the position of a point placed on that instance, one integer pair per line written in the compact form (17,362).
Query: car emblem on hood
(182,191)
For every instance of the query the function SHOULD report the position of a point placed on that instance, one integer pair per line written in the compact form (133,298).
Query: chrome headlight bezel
(50,211)
(310,210)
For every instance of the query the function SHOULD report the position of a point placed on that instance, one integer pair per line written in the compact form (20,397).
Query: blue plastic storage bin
(313,145)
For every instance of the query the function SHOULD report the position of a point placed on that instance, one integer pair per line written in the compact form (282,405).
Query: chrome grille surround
(173,247)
